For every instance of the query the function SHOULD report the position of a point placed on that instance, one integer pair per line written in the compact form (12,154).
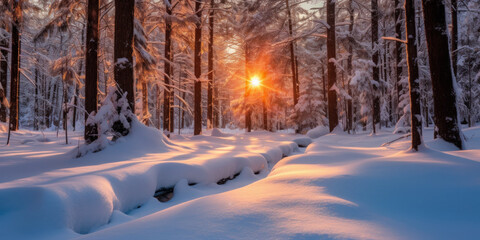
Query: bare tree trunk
(444,95)
(15,65)
(91,69)
(210,67)
(4,44)
(324,89)
(248,110)
(172,98)
(145,112)
(166,67)
(375,73)
(292,57)
(454,35)
(349,67)
(265,115)
(123,49)
(35,106)
(398,57)
(413,80)
(332,75)
(198,70)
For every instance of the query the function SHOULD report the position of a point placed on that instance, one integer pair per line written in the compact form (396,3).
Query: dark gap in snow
(164,194)
(225,180)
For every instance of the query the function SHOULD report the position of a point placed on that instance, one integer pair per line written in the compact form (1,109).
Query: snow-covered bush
(113,120)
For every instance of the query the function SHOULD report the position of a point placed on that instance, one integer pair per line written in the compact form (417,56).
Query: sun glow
(255,81)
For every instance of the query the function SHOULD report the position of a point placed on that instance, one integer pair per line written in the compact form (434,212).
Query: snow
(51,194)
(340,187)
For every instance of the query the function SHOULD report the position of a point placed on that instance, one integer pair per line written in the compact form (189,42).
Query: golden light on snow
(255,81)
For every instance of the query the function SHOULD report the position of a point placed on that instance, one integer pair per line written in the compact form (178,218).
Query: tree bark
(398,56)
(4,44)
(198,71)
(350,67)
(454,35)
(145,112)
(210,67)
(91,69)
(15,65)
(292,57)
(166,68)
(123,49)
(375,72)
(413,76)
(248,110)
(444,94)
(332,75)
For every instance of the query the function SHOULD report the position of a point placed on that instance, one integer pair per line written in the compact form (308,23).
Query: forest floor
(235,185)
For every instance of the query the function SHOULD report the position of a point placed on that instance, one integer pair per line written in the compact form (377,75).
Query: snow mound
(318,132)
(303,142)
(217,133)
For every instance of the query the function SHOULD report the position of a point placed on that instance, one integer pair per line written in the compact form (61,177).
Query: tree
(293,63)
(398,57)
(91,68)
(454,9)
(198,70)
(15,65)
(444,93)
(332,75)
(123,56)
(413,80)
(375,72)
(167,93)
(4,43)
(123,52)
(210,106)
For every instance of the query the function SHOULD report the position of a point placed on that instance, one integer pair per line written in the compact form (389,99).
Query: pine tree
(444,93)
(413,76)
(332,75)
(15,65)
(198,70)
(91,68)
(123,55)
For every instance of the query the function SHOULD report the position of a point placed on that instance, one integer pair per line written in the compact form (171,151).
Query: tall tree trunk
(166,67)
(172,98)
(454,35)
(91,69)
(375,72)
(35,104)
(123,49)
(413,80)
(332,75)
(198,70)
(398,57)
(210,66)
(248,110)
(444,95)
(15,65)
(146,120)
(292,57)
(265,115)
(350,67)
(4,44)
(324,89)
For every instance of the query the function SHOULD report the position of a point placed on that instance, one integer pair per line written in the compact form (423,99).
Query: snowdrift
(86,193)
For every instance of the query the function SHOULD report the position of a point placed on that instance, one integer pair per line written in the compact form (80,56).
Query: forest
(108,104)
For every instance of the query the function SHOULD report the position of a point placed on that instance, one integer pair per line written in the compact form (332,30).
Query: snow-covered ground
(341,187)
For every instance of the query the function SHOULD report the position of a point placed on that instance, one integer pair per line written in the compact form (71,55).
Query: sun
(255,81)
